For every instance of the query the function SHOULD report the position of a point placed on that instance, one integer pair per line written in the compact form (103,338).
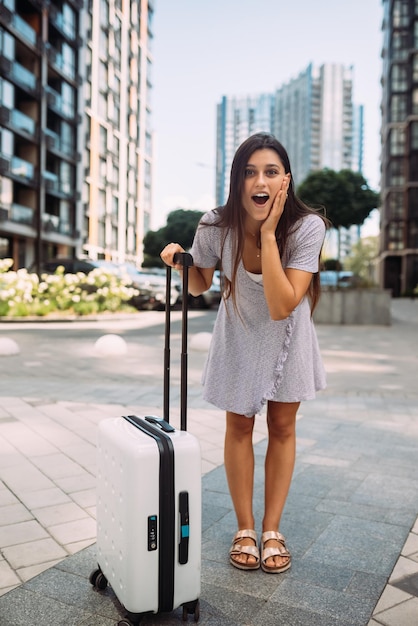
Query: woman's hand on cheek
(276,211)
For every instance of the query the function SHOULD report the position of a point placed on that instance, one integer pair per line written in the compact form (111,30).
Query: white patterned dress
(253,358)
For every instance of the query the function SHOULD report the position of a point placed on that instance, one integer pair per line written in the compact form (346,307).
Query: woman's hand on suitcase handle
(167,255)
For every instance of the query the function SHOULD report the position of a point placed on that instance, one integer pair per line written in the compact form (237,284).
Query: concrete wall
(354,306)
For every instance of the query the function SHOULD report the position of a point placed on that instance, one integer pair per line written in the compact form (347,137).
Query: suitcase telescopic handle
(186,260)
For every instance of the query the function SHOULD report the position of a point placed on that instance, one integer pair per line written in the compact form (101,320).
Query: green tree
(345,196)
(181,226)
(360,261)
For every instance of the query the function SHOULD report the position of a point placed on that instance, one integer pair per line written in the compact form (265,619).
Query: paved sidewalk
(351,517)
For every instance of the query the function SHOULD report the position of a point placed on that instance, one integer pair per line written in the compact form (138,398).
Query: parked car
(154,280)
(337,279)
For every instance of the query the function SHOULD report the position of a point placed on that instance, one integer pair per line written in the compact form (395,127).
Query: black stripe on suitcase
(166,521)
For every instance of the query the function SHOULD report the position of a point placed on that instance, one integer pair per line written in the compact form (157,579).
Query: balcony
(57,103)
(20,27)
(16,167)
(55,142)
(55,185)
(54,224)
(17,213)
(18,121)
(52,182)
(57,60)
(19,74)
(24,30)
(64,26)
(52,139)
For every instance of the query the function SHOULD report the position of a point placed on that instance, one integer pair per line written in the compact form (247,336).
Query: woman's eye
(248,172)
(272,172)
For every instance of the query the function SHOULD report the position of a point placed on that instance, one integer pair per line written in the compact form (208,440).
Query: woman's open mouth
(260,199)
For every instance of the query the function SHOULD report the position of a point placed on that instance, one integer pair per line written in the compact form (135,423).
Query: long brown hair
(231,217)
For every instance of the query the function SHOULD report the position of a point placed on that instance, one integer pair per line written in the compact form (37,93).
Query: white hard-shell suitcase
(149,504)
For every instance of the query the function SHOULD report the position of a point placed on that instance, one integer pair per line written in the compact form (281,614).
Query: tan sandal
(238,548)
(267,553)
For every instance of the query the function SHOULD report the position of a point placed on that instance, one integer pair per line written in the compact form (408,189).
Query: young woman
(264,349)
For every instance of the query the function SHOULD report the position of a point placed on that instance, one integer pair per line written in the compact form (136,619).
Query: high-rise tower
(398,259)
(75,129)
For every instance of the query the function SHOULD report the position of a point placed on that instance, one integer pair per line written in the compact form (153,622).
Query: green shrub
(23,294)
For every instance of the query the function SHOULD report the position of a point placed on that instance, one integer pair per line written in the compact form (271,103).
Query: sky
(205,49)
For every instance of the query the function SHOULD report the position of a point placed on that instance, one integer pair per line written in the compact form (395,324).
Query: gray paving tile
(21,604)
(326,602)
(360,545)
(349,504)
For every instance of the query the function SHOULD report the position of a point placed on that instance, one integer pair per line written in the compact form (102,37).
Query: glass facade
(75,129)
(398,259)
(312,115)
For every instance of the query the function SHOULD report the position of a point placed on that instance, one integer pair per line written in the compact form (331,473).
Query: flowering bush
(23,294)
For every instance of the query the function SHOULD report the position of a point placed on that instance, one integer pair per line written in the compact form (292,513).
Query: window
(68,100)
(102,171)
(67,138)
(103,43)
(397,141)
(6,191)
(102,105)
(7,94)
(395,205)
(400,45)
(66,178)
(7,45)
(400,13)
(68,60)
(398,109)
(102,140)
(414,136)
(399,78)
(414,101)
(69,21)
(101,207)
(412,234)
(413,204)
(395,173)
(103,77)
(6,142)
(395,236)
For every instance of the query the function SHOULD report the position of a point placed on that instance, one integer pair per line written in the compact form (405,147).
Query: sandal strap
(272,534)
(250,550)
(280,550)
(248,533)
(268,552)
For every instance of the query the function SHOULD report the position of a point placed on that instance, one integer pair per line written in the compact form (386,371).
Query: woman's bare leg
(279,465)
(239,467)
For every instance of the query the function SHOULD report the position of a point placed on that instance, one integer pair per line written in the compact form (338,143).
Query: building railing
(23,76)
(24,29)
(17,213)
(23,122)
(12,165)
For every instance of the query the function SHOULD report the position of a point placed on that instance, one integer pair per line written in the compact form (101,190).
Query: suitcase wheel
(191,608)
(98,579)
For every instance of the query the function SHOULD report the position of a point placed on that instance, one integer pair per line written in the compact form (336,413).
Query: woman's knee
(281,420)
(239,427)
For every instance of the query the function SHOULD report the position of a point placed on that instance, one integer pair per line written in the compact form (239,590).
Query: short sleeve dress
(252,358)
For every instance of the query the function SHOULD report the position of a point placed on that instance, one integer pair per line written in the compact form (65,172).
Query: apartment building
(238,118)
(398,259)
(75,129)
(313,115)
